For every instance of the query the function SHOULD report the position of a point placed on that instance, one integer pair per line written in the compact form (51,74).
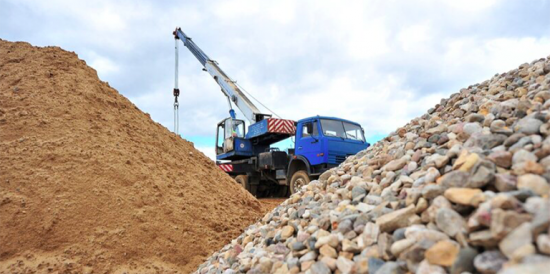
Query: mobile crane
(320,142)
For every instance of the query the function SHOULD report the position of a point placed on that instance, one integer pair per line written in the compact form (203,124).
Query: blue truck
(248,155)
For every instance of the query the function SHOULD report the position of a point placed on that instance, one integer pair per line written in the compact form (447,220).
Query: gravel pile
(462,189)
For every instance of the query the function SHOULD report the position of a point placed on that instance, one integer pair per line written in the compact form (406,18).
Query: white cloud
(472,5)
(486,57)
(415,38)
(102,64)
(368,41)
(380,63)
(208,151)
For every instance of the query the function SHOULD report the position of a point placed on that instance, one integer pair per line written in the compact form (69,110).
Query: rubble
(463,188)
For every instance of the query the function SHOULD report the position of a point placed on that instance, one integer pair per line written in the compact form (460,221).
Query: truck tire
(242,180)
(298,180)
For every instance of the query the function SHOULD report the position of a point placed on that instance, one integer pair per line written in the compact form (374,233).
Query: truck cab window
(310,129)
(354,132)
(305,132)
(234,128)
(220,136)
(315,130)
(333,128)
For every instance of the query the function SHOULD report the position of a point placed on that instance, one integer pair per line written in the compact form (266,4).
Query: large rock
(537,268)
(535,183)
(464,261)
(464,196)
(489,262)
(450,222)
(395,164)
(455,178)
(516,239)
(443,253)
(395,219)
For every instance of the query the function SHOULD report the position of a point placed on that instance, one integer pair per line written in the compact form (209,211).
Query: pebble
(471,128)
(519,237)
(431,191)
(523,155)
(374,265)
(489,262)
(431,175)
(504,221)
(505,182)
(344,265)
(543,243)
(320,268)
(449,221)
(483,173)
(501,158)
(399,246)
(443,253)
(327,250)
(466,161)
(541,219)
(395,164)
(528,125)
(390,268)
(426,268)
(358,192)
(331,240)
(396,219)
(308,256)
(286,232)
(456,178)
(425,234)
(535,183)
(538,268)
(464,261)
(463,196)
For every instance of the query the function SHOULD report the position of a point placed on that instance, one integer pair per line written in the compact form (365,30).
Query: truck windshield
(234,128)
(344,130)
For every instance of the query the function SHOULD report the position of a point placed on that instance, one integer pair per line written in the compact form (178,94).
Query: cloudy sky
(380,62)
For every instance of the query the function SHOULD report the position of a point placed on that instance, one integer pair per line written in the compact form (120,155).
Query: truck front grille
(336,158)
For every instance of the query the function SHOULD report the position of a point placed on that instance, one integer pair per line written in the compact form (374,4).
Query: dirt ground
(88,182)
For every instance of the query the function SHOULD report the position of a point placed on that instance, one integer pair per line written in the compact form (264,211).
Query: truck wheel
(299,179)
(282,192)
(242,180)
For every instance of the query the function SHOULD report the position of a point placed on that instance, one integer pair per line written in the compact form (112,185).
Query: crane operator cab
(228,130)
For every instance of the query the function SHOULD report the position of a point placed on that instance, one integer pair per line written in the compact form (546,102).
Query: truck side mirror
(309,127)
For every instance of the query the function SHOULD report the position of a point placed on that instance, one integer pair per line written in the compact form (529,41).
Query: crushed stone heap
(88,182)
(462,189)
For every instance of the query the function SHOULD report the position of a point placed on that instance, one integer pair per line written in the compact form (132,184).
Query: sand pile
(462,189)
(89,182)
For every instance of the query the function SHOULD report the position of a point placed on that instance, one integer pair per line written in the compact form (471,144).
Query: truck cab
(322,143)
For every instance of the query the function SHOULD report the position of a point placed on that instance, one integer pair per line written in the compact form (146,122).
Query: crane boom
(228,86)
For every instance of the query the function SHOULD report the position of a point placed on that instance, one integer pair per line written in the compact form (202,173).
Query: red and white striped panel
(226,167)
(280,126)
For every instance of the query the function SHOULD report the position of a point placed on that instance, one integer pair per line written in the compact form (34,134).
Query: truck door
(308,143)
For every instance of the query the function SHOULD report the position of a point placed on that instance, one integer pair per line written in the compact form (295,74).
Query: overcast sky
(380,63)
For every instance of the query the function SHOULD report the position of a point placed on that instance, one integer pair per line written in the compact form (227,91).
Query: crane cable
(256,99)
(176,93)
(244,90)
